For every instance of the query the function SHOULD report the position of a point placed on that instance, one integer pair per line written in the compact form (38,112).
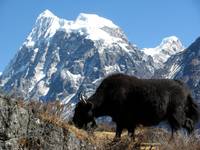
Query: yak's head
(83,114)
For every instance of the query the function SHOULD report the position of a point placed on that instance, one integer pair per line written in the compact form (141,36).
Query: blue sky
(145,22)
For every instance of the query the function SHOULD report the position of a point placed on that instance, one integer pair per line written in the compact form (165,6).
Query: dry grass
(105,127)
(152,136)
(102,137)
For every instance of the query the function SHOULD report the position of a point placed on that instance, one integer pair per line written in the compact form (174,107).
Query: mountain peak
(91,25)
(172,40)
(46,14)
(94,20)
(46,26)
(169,46)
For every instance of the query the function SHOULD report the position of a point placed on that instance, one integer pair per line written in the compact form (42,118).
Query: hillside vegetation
(34,125)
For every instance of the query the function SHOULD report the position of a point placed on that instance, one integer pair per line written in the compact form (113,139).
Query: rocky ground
(37,126)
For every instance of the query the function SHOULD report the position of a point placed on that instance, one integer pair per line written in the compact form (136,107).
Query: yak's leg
(131,132)
(176,120)
(172,132)
(93,125)
(189,125)
(118,132)
(174,127)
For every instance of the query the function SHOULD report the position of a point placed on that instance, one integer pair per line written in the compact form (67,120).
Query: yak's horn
(82,98)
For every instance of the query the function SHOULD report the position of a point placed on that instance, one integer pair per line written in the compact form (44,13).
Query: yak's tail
(193,110)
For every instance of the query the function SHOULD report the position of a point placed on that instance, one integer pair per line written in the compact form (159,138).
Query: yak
(131,101)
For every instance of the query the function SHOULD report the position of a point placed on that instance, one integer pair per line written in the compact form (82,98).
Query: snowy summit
(168,47)
(92,25)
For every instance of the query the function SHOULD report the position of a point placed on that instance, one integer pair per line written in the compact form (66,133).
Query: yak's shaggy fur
(131,101)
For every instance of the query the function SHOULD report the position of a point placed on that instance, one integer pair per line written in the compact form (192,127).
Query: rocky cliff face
(21,127)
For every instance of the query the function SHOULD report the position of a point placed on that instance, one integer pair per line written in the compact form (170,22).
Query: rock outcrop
(23,127)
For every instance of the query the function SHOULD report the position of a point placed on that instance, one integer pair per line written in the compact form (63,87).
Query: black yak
(131,101)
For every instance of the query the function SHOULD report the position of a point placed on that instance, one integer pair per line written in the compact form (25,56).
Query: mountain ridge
(168,47)
(61,58)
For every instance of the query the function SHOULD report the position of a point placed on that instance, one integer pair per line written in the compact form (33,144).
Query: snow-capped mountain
(168,47)
(185,66)
(61,58)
